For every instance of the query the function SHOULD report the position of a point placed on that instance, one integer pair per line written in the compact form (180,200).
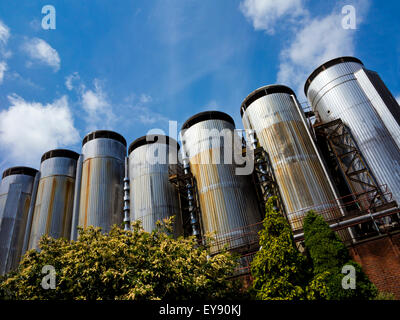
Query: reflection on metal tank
(15,196)
(101,192)
(54,199)
(152,196)
(343,89)
(274,113)
(228,202)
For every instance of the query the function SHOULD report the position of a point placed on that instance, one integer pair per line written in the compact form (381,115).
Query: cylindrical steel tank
(101,192)
(54,199)
(273,112)
(15,196)
(228,202)
(152,196)
(343,89)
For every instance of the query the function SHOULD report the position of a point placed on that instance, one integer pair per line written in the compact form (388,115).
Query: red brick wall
(380,260)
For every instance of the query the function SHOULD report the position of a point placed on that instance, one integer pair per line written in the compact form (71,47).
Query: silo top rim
(19,170)
(263,91)
(207,115)
(149,139)
(104,134)
(327,65)
(63,153)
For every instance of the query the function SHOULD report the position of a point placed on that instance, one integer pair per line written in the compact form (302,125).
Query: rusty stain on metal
(87,188)
(51,204)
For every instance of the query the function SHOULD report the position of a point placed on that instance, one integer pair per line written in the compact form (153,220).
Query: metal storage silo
(152,197)
(228,202)
(54,199)
(101,188)
(274,113)
(15,196)
(342,89)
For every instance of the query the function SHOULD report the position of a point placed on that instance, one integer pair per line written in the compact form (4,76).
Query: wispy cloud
(70,81)
(315,41)
(39,50)
(4,33)
(3,68)
(4,54)
(28,129)
(264,14)
(99,111)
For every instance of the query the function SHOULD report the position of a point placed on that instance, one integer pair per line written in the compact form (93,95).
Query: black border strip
(263,91)
(19,170)
(63,153)
(104,134)
(327,65)
(149,139)
(207,115)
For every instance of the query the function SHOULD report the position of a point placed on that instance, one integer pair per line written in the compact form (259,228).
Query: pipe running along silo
(54,198)
(228,201)
(15,197)
(152,197)
(343,89)
(101,185)
(273,112)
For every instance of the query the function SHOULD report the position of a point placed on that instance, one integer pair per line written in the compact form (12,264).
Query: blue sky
(131,66)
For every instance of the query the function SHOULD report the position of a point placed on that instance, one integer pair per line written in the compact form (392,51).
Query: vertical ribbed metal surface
(382,100)
(300,173)
(342,91)
(228,202)
(15,196)
(152,196)
(54,201)
(101,196)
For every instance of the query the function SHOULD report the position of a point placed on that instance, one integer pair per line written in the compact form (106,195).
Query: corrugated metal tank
(101,192)
(54,199)
(15,196)
(343,88)
(228,202)
(274,113)
(152,196)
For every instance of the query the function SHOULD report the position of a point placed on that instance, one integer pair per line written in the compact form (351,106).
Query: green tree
(329,255)
(279,270)
(124,265)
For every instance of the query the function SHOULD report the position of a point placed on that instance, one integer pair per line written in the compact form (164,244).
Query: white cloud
(3,68)
(315,41)
(71,79)
(28,129)
(147,116)
(321,39)
(144,98)
(41,51)
(264,14)
(4,33)
(99,111)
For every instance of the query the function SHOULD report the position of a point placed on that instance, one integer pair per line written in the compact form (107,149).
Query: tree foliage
(123,265)
(279,270)
(329,255)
